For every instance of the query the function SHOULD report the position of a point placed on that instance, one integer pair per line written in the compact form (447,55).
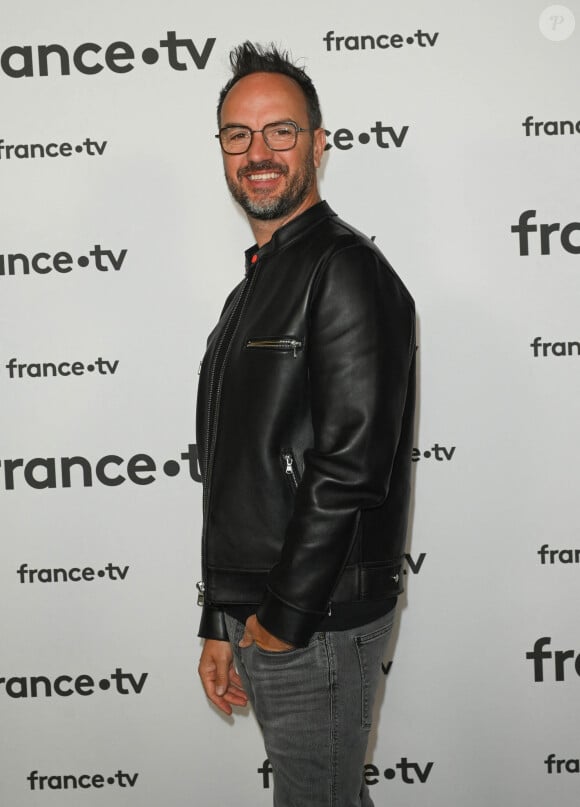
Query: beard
(279,206)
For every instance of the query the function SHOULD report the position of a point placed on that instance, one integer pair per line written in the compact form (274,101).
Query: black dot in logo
(150,56)
(171,468)
(426,454)
(364,137)
(100,573)
(78,149)
(90,367)
(104,684)
(83,261)
(111,780)
(410,40)
(390,773)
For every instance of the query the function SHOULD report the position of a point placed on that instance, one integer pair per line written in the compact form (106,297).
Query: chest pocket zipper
(283,343)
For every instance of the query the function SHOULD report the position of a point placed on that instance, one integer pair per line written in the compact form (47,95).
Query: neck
(263,230)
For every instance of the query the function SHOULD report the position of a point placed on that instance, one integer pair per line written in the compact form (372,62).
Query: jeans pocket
(276,653)
(285,655)
(370,648)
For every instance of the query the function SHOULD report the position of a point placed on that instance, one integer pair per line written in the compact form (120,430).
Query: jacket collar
(289,232)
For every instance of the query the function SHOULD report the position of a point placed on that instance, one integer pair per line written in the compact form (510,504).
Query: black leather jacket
(304,422)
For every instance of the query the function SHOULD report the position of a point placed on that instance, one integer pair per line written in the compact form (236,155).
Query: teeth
(260,177)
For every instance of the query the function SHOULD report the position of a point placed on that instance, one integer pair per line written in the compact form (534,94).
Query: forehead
(262,97)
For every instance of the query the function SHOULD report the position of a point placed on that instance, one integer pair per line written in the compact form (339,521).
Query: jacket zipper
(276,344)
(200,585)
(290,468)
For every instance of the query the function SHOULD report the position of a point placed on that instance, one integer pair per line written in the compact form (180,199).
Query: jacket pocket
(290,469)
(285,344)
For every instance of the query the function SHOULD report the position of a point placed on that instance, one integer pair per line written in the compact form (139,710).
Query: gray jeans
(314,706)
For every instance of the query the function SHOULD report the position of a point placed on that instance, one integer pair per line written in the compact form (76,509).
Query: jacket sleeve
(361,342)
(213,624)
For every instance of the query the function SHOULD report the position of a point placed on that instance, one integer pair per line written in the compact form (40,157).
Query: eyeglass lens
(278,137)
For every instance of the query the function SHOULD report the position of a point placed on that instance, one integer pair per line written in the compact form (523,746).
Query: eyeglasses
(278,136)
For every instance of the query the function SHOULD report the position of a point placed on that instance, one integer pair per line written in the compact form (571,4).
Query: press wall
(453,136)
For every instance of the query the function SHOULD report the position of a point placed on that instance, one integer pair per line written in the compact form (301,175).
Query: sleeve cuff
(286,622)
(213,624)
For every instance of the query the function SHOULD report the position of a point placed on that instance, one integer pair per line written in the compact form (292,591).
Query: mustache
(263,165)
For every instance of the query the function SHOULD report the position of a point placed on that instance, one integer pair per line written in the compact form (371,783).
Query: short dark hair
(251,58)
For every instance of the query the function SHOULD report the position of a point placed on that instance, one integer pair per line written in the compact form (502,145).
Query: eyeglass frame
(252,132)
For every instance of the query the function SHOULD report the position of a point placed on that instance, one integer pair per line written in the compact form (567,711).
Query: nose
(258,149)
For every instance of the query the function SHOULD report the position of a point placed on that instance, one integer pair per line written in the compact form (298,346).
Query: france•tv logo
(560,660)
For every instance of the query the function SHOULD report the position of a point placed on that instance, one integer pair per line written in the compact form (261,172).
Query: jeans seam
(364,721)
(332,696)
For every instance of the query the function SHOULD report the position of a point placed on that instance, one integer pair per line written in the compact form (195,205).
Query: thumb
(247,639)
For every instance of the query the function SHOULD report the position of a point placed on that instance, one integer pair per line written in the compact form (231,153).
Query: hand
(222,684)
(264,639)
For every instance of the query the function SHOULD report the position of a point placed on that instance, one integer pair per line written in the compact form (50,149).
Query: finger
(223,705)
(236,697)
(247,639)
(222,676)
(236,680)
(209,688)
(271,648)
(232,697)
(274,646)
(207,675)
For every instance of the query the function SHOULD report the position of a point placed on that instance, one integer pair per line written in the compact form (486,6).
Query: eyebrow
(247,126)
(233,123)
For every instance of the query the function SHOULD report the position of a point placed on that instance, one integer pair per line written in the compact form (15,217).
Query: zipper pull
(201,592)
(289,468)
(296,344)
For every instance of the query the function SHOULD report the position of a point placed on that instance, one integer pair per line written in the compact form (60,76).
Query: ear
(319,142)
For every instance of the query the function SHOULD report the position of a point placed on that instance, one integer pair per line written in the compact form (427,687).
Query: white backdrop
(115,258)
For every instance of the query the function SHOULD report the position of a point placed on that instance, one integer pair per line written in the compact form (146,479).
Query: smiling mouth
(265,171)
(263,177)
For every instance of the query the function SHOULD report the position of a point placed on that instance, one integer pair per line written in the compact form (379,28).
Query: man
(305,411)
